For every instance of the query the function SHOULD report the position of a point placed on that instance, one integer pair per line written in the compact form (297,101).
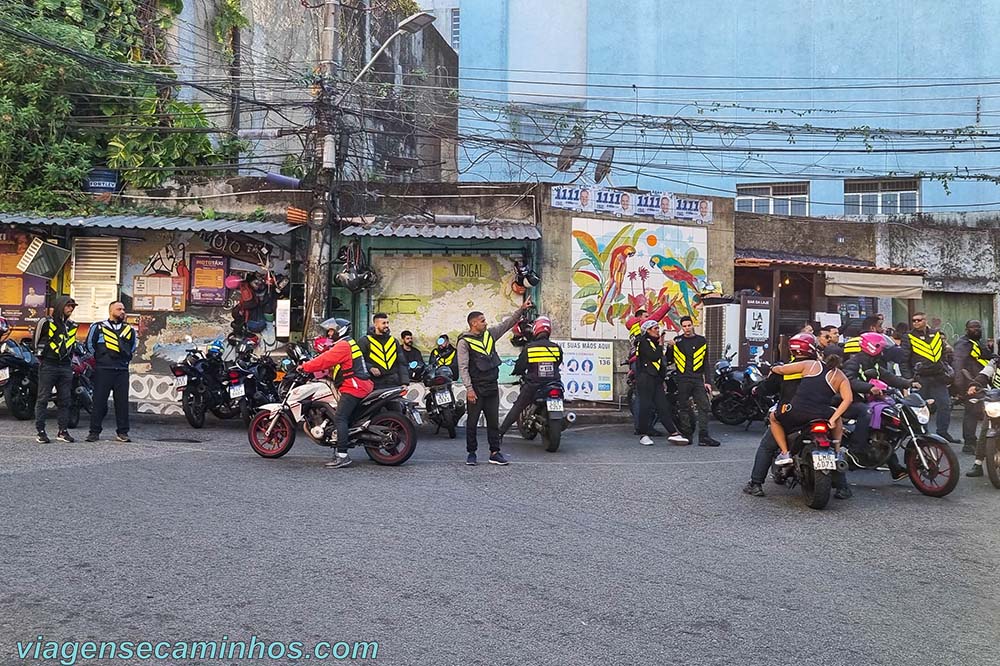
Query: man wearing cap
(54,340)
(649,373)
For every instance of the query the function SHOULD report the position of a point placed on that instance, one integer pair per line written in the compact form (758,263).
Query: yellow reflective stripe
(636,328)
(656,364)
(996,379)
(852,346)
(68,339)
(679,360)
(543,354)
(484,346)
(699,357)
(931,350)
(795,375)
(382,355)
(977,354)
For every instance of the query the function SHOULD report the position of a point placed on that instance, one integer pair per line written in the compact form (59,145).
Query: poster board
(587,370)
(159,293)
(208,275)
(22,295)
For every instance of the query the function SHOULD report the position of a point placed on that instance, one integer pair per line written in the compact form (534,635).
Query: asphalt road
(604,553)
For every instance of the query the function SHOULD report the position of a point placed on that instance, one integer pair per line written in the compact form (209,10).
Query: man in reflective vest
(445,354)
(54,340)
(479,368)
(113,343)
(971,356)
(926,356)
(538,366)
(693,381)
(988,377)
(383,355)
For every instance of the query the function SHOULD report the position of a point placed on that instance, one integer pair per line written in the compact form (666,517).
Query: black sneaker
(977,470)
(470,460)
(120,437)
(64,436)
(42,438)
(338,462)
(898,474)
(92,437)
(754,489)
(707,440)
(969,448)
(498,459)
(843,493)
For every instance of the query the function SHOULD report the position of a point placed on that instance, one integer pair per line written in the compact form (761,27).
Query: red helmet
(323,344)
(872,343)
(542,325)
(803,345)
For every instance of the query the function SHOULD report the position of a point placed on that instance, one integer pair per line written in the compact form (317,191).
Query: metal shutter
(96,277)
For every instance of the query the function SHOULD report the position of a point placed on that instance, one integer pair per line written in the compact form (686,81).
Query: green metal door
(949,312)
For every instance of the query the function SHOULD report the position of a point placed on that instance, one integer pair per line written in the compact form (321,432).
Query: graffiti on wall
(619,268)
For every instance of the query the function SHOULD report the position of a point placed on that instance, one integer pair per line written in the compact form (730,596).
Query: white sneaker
(646,440)
(679,438)
(783,459)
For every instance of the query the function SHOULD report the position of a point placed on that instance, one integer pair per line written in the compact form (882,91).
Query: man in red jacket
(349,374)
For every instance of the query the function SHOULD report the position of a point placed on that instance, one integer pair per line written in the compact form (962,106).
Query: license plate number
(442,398)
(237,391)
(546,370)
(4,374)
(824,461)
(180,382)
(554,404)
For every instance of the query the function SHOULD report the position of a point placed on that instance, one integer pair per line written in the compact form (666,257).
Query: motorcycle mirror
(188,339)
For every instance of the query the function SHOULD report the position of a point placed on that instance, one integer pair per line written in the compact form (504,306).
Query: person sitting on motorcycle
(820,383)
(538,366)
(349,374)
(987,377)
(445,355)
(871,362)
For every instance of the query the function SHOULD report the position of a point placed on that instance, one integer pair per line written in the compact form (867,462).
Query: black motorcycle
(203,381)
(252,378)
(83,384)
(546,416)
(991,408)
(18,378)
(440,404)
(683,415)
(738,402)
(814,462)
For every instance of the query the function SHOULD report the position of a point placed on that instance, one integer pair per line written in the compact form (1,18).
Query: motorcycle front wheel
(402,440)
(522,423)
(729,409)
(449,420)
(940,475)
(993,461)
(74,415)
(278,443)
(193,404)
(20,400)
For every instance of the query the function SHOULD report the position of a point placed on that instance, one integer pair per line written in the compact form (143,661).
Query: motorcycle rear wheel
(816,487)
(403,440)
(20,400)
(281,439)
(940,476)
(729,409)
(193,404)
(74,415)
(993,461)
(552,435)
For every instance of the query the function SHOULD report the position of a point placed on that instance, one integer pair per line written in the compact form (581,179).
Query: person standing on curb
(479,368)
(693,380)
(54,339)
(113,344)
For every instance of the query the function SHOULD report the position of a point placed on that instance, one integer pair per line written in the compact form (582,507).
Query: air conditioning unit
(722,329)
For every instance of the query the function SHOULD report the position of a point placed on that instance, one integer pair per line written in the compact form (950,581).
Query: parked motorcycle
(203,382)
(813,463)
(83,384)
(252,378)
(900,422)
(737,401)
(18,378)
(683,415)
(379,424)
(546,416)
(991,407)
(439,402)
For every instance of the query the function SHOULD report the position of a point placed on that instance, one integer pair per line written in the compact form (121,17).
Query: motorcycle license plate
(442,398)
(824,461)
(416,417)
(180,382)
(237,391)
(554,404)
(4,374)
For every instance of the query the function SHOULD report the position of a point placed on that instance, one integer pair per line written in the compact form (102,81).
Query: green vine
(228,17)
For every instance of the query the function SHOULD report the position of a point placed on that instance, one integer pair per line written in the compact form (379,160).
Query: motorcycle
(379,423)
(738,402)
(252,379)
(900,422)
(813,463)
(546,416)
(683,415)
(83,384)
(18,378)
(991,407)
(204,385)
(439,402)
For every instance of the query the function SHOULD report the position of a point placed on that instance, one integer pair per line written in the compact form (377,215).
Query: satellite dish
(603,167)
(569,154)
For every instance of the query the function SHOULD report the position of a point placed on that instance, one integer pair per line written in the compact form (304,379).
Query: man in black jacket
(113,343)
(538,365)
(54,340)
(927,356)
(971,356)
(382,355)
(693,379)
(445,355)
(649,373)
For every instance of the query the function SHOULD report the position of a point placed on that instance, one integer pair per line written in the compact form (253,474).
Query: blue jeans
(936,390)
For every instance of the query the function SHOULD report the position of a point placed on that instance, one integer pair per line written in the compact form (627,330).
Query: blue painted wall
(815,49)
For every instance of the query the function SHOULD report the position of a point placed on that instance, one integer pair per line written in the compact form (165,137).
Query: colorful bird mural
(676,271)
(616,276)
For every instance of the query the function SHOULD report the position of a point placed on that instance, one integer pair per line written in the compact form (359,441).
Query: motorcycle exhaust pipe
(570,418)
(842,466)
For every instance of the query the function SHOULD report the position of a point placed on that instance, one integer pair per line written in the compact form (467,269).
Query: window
(896,196)
(774,198)
(455,23)
(95,278)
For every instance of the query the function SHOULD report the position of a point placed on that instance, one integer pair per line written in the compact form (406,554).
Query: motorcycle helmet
(216,346)
(872,343)
(542,325)
(336,328)
(323,344)
(803,345)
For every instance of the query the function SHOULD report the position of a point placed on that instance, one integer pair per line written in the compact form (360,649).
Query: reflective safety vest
(441,361)
(852,346)
(636,329)
(697,358)
(656,363)
(482,347)
(543,360)
(931,350)
(358,369)
(977,353)
(484,362)
(382,355)
(115,342)
(995,380)
(61,344)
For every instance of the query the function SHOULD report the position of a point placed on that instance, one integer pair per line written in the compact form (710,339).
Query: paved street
(605,553)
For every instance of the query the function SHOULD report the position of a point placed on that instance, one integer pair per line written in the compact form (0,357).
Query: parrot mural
(617,266)
(674,270)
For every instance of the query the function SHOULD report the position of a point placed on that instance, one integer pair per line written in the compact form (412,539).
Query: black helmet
(336,328)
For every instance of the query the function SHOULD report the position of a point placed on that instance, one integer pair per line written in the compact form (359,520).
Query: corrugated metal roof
(766,258)
(443,226)
(153,222)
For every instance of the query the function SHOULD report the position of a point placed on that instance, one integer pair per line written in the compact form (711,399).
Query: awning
(443,226)
(842,283)
(153,223)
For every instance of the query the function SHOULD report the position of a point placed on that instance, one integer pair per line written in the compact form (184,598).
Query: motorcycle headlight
(992,409)
(923,414)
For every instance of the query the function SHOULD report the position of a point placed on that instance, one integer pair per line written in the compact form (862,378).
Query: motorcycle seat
(379,394)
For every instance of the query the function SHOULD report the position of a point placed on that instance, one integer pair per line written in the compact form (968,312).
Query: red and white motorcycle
(381,423)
